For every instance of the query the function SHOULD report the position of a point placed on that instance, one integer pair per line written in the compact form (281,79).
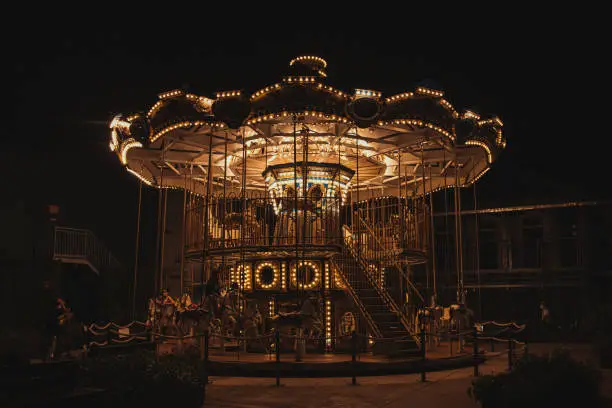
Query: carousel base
(328,365)
(233,361)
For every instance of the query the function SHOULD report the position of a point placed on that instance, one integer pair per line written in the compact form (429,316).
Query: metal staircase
(80,246)
(390,328)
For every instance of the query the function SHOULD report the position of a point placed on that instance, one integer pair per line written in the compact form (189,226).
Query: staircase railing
(350,283)
(385,254)
(377,247)
(74,245)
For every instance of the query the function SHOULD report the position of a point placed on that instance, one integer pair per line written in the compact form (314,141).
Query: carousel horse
(306,319)
(162,313)
(194,318)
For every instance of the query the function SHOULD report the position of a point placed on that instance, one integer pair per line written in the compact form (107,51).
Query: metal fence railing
(74,245)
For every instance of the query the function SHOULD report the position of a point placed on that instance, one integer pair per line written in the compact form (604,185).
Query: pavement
(441,390)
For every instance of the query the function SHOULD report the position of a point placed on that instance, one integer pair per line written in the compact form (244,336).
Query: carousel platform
(330,365)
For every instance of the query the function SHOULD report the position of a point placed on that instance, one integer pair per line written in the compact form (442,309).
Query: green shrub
(554,381)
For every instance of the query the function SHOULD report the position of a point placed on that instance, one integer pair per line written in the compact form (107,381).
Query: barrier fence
(113,334)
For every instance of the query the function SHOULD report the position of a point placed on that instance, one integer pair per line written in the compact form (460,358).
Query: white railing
(73,245)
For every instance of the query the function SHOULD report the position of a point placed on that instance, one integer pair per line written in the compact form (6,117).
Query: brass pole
(433,238)
(160,204)
(424,219)
(206,227)
(182,265)
(136,251)
(162,275)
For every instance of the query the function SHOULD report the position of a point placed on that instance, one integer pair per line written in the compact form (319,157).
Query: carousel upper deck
(296,161)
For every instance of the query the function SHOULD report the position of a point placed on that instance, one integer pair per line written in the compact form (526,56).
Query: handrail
(358,302)
(394,262)
(381,292)
(379,289)
(82,245)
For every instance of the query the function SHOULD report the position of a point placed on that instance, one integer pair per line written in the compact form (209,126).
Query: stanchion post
(354,357)
(525,350)
(202,351)
(423,355)
(206,351)
(510,346)
(206,346)
(475,351)
(277,347)
(86,338)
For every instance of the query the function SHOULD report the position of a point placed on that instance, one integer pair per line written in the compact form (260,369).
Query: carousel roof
(415,140)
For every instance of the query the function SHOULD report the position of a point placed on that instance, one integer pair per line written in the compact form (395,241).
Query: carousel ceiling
(415,140)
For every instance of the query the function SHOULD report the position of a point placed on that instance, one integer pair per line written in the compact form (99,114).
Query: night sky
(68,81)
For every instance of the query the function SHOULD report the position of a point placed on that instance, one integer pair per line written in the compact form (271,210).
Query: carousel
(306,208)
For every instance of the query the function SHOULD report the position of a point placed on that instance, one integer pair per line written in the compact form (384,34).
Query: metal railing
(370,273)
(72,245)
(352,281)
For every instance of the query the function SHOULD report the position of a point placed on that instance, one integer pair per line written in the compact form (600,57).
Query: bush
(141,378)
(554,381)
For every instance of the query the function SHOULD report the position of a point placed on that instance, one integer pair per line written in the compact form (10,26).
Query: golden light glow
(367,92)
(155,108)
(338,281)
(468,114)
(182,125)
(265,91)
(450,107)
(332,90)
(484,146)
(125,147)
(301,79)
(170,94)
(417,122)
(482,173)
(316,272)
(308,58)
(328,323)
(120,123)
(286,115)
(426,91)
(228,94)
(400,97)
(114,143)
(499,139)
(140,177)
(271,307)
(275,279)
(283,276)
(241,274)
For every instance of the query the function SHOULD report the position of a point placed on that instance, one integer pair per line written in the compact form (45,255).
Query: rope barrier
(493,322)
(115,325)
(520,343)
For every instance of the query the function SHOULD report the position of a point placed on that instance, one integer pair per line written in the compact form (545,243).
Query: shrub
(556,381)
(141,378)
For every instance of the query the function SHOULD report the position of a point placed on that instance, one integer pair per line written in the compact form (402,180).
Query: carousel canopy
(415,141)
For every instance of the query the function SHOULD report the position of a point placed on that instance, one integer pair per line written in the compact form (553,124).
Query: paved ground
(443,389)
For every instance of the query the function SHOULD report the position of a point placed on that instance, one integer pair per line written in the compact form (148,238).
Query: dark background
(67,78)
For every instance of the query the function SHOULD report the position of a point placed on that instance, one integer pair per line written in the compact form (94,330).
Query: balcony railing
(81,246)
